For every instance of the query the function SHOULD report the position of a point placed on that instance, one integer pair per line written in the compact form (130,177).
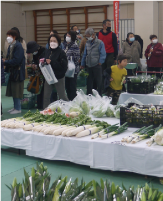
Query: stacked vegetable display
(159,89)
(36,187)
(141,84)
(56,124)
(137,116)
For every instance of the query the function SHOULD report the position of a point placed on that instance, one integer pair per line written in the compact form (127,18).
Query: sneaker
(11,110)
(15,112)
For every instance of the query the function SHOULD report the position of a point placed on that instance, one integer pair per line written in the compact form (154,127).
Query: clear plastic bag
(133,100)
(71,68)
(117,113)
(100,106)
(81,101)
(110,111)
(56,106)
(48,73)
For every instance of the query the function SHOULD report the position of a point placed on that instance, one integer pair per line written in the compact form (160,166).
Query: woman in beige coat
(132,49)
(20,39)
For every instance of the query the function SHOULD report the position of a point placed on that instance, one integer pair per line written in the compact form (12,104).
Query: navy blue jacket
(2,73)
(18,58)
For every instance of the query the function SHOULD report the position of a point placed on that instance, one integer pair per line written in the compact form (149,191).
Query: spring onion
(116,132)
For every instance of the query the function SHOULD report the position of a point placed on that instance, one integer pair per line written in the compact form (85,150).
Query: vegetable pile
(159,89)
(136,116)
(157,137)
(141,134)
(36,187)
(94,105)
(56,124)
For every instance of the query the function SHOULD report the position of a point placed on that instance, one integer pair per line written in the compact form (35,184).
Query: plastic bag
(48,73)
(100,107)
(81,101)
(110,111)
(117,113)
(133,100)
(100,110)
(56,106)
(71,69)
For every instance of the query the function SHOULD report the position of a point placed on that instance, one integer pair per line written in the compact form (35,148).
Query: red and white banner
(116,18)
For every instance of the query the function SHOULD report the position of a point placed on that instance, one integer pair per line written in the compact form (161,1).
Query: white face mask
(35,53)
(68,39)
(89,38)
(9,40)
(53,45)
(154,40)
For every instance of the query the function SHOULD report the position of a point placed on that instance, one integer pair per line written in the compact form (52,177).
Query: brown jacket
(23,45)
(82,46)
(133,51)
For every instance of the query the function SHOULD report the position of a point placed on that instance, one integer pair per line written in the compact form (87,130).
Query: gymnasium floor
(12,165)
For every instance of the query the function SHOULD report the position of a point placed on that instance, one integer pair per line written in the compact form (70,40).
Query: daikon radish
(47,131)
(67,130)
(60,130)
(29,127)
(78,130)
(44,128)
(4,121)
(21,125)
(53,128)
(38,128)
(11,125)
(88,132)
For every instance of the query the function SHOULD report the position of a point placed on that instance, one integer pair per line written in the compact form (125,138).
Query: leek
(116,132)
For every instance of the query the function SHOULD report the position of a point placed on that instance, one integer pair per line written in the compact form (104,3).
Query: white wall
(146,20)
(35,5)
(12,16)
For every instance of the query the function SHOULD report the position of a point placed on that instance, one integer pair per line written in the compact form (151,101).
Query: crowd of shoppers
(97,53)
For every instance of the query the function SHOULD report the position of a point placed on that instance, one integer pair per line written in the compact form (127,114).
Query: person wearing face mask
(79,36)
(15,65)
(110,41)
(51,33)
(154,56)
(72,52)
(132,49)
(36,50)
(20,39)
(94,56)
(56,57)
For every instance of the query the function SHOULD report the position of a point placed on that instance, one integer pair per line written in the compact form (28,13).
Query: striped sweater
(72,50)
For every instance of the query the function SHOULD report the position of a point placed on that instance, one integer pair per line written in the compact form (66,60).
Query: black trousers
(114,94)
(109,61)
(95,76)
(70,86)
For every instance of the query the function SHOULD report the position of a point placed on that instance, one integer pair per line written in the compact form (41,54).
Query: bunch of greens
(83,73)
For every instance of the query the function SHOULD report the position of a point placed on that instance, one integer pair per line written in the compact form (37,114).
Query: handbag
(71,68)
(34,84)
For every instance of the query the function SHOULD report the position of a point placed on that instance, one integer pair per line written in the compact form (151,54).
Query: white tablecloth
(97,153)
(144,98)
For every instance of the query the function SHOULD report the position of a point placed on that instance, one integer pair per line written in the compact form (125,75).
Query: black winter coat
(2,73)
(38,56)
(58,61)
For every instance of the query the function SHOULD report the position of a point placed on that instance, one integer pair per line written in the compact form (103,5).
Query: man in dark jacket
(37,51)
(110,41)
(2,79)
